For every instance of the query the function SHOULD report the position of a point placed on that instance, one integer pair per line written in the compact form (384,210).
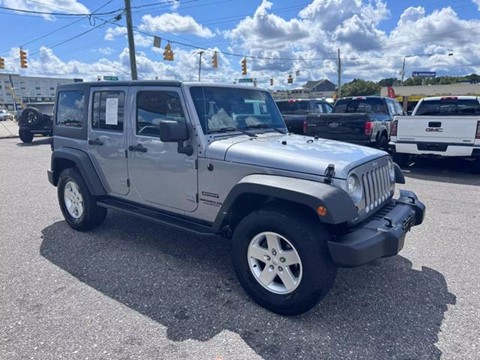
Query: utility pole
(403,71)
(131,41)
(200,66)
(339,62)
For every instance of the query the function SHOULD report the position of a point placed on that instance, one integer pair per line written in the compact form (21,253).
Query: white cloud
(50,6)
(267,31)
(174,24)
(114,32)
(477,2)
(105,51)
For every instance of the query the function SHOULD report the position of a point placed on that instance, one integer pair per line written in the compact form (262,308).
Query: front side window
(228,109)
(70,109)
(154,106)
(108,110)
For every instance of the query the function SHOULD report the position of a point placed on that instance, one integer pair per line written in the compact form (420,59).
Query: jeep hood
(292,152)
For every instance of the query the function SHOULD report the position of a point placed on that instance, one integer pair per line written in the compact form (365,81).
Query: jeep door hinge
(128,182)
(126,154)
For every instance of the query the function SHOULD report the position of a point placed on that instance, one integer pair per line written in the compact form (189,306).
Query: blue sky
(86,39)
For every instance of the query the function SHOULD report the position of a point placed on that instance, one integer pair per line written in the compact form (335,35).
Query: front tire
(78,206)
(282,261)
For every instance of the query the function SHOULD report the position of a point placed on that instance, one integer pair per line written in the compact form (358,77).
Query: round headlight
(391,170)
(354,188)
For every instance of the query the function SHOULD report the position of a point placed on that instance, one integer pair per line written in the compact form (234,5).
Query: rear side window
(360,105)
(70,109)
(449,106)
(294,107)
(108,110)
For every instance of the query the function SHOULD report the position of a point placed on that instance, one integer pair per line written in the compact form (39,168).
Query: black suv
(35,119)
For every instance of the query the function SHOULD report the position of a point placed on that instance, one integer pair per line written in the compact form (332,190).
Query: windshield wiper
(265,126)
(232,128)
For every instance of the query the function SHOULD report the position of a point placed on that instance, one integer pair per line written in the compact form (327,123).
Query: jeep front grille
(376,187)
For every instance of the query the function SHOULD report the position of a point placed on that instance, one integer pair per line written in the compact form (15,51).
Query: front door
(106,138)
(159,173)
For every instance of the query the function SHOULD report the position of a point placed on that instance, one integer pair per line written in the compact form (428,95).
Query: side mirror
(172,131)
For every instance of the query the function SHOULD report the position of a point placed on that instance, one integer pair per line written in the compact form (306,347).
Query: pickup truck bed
(362,120)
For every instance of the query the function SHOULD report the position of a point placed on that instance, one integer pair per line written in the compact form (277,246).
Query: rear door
(107,139)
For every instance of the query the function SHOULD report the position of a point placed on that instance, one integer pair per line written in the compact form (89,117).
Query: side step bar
(157,216)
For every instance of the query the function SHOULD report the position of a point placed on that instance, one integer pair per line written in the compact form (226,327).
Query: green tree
(359,87)
(388,82)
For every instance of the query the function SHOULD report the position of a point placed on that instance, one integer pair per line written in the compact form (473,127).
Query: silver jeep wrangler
(217,159)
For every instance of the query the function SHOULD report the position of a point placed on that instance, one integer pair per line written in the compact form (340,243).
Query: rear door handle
(138,148)
(434,124)
(97,141)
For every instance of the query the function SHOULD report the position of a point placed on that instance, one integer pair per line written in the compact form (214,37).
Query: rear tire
(282,261)
(402,160)
(382,143)
(78,206)
(25,135)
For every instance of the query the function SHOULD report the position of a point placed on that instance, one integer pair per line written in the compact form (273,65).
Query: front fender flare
(340,207)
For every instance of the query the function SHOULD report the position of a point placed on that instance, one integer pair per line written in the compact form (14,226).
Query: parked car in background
(5,115)
(35,119)
(363,120)
(447,126)
(295,111)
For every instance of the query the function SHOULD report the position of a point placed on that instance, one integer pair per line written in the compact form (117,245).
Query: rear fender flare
(64,156)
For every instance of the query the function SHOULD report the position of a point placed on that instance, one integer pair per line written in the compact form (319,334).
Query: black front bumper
(382,236)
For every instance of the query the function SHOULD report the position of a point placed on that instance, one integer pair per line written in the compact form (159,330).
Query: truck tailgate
(459,130)
(337,126)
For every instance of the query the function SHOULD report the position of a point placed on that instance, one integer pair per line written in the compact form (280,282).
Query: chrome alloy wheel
(73,200)
(275,263)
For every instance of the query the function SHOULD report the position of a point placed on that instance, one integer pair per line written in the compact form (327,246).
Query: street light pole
(200,66)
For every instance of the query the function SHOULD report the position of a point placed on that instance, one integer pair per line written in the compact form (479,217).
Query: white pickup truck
(439,126)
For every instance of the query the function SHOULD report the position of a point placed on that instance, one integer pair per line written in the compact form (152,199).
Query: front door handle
(97,141)
(138,148)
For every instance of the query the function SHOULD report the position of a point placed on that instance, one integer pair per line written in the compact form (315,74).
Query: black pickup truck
(295,111)
(363,120)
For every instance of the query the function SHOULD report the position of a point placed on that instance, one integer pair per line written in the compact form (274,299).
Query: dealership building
(17,90)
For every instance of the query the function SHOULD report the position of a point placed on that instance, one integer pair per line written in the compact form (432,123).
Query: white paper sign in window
(111,111)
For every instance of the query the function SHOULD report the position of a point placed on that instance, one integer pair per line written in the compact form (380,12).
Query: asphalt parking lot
(135,290)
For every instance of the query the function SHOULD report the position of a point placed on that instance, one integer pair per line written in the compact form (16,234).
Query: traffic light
(244,66)
(2,63)
(215,60)
(168,53)
(290,79)
(23,59)
(271,82)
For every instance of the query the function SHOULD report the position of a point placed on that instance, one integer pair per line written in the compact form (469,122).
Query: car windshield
(235,109)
